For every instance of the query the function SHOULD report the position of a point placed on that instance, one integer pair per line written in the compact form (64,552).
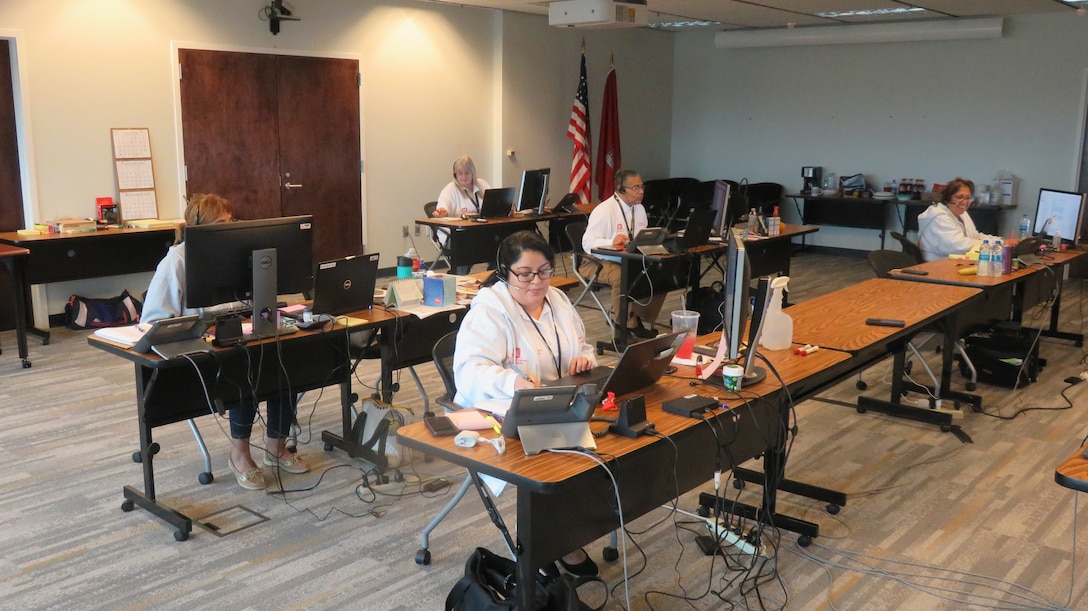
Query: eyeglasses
(961,198)
(636,187)
(545,274)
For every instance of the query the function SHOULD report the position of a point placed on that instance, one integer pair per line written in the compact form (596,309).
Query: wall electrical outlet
(417,231)
(404,229)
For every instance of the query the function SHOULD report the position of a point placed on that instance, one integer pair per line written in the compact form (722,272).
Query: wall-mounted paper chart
(134,174)
(136,205)
(131,143)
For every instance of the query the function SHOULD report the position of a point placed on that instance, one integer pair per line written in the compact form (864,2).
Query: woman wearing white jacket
(946,228)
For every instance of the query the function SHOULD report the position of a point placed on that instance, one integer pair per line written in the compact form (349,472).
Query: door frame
(23,131)
(175,46)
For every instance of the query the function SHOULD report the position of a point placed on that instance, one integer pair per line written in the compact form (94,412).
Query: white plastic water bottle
(1025,226)
(997,258)
(984,259)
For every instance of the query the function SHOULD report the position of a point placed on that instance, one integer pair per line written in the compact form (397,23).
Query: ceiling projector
(598,14)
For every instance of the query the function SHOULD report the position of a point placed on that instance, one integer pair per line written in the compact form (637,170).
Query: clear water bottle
(996,258)
(984,259)
(1025,226)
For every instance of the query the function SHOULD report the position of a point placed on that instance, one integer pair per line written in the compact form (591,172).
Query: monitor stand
(265,312)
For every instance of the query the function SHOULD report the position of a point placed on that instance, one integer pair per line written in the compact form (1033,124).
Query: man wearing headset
(614,223)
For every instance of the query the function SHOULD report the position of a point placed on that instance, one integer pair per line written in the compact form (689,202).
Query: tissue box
(440,290)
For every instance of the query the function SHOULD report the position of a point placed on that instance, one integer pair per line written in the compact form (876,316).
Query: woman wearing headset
(518,332)
(166,299)
(464,193)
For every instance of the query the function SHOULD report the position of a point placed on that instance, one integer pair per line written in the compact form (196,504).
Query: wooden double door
(277,135)
(11,191)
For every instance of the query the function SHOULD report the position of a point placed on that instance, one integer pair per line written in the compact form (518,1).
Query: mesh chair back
(575,231)
(443,362)
(909,247)
(884,261)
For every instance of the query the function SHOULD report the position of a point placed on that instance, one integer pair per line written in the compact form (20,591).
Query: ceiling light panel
(979,8)
(743,14)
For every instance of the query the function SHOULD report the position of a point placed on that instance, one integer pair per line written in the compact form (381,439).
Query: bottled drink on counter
(1025,226)
(753,222)
(777,325)
(1056,243)
(1006,259)
(774,224)
(984,259)
(997,265)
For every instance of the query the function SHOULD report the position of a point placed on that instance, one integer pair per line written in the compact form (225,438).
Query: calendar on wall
(135,173)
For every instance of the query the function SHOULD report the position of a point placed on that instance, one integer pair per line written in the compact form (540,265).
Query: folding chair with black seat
(436,235)
(442,355)
(578,255)
(911,248)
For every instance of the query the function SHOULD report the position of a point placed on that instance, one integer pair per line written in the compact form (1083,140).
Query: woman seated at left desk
(946,228)
(518,332)
(166,299)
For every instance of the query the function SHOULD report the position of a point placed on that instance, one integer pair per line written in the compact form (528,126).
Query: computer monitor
(735,306)
(533,193)
(1061,212)
(720,205)
(249,261)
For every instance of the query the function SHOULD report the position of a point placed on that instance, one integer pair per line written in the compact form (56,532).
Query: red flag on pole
(579,132)
(608,144)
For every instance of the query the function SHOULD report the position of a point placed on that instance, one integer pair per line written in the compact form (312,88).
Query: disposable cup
(686,320)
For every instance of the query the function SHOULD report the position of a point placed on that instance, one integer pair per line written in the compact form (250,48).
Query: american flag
(579,132)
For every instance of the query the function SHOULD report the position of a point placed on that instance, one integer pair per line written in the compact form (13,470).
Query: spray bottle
(777,325)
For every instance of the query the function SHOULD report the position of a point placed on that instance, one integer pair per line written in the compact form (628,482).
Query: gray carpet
(931,522)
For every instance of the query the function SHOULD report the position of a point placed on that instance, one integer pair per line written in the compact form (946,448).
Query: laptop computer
(641,365)
(649,242)
(497,203)
(697,232)
(345,285)
(174,337)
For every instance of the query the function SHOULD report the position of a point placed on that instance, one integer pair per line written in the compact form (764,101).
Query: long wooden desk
(837,320)
(565,501)
(169,391)
(1073,472)
(14,258)
(1006,297)
(108,252)
(472,242)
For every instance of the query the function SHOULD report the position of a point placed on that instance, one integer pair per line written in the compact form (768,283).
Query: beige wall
(438,81)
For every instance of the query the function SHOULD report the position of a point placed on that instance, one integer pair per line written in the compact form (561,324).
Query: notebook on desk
(345,285)
(497,203)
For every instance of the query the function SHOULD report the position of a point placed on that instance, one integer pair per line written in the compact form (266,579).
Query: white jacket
(455,201)
(610,218)
(497,331)
(940,234)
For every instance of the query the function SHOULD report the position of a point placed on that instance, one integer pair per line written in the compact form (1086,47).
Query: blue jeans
(280,415)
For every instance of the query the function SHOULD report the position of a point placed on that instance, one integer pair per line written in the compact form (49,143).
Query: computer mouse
(466,439)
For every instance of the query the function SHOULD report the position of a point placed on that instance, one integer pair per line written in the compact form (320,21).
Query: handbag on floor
(488,585)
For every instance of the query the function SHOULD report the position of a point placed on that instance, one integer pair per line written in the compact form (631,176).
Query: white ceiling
(744,14)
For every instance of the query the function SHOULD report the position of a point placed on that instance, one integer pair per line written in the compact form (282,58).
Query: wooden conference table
(566,501)
(60,257)
(169,391)
(14,258)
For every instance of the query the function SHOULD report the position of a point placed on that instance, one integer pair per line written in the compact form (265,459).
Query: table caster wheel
(423,557)
(180,535)
(26,364)
(832,508)
(45,341)
(970,386)
(154,448)
(610,554)
(861,410)
(328,447)
(804,540)
(738,484)
(861,385)
(1079,344)
(127,505)
(137,457)
(946,428)
(205,478)
(703,512)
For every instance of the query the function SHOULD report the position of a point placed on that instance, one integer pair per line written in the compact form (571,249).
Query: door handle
(290,186)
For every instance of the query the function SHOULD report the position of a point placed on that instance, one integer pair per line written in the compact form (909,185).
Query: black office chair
(436,234)
(574,232)
(764,196)
(442,355)
(910,247)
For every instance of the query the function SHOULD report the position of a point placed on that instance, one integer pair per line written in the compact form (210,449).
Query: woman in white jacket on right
(946,228)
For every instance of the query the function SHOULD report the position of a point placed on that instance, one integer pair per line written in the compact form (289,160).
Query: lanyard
(630,233)
(557,360)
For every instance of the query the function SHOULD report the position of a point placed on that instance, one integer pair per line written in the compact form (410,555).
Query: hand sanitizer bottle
(777,325)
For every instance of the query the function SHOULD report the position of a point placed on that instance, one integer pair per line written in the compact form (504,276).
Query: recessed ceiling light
(873,12)
(684,24)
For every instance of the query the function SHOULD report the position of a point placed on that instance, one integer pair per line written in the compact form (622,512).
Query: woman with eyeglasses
(946,228)
(521,331)
(165,298)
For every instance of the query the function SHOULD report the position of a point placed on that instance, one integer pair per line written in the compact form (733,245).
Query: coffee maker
(812,177)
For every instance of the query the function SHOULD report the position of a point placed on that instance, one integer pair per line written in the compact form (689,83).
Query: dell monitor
(720,205)
(1059,212)
(533,193)
(249,261)
(736,308)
